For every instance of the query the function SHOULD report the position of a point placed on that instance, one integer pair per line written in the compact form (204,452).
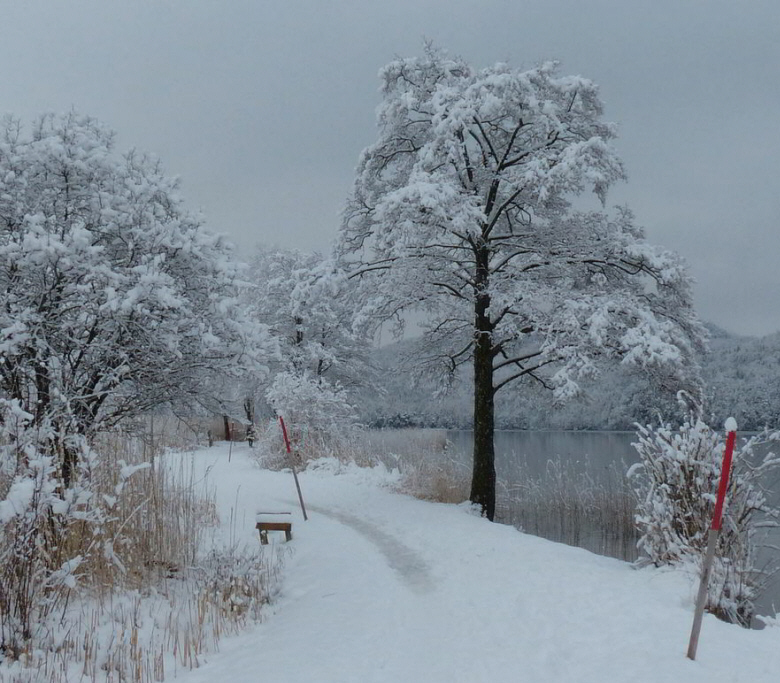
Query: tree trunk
(226,422)
(249,409)
(483,480)
(69,460)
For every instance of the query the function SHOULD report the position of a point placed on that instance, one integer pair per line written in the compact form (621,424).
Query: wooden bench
(274,521)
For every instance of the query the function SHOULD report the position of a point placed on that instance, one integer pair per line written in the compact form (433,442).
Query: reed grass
(572,504)
(424,459)
(162,595)
(568,502)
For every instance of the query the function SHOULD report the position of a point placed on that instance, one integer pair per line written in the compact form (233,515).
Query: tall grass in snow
(424,460)
(570,503)
(151,594)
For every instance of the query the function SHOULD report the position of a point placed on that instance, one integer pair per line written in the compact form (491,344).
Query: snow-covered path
(384,588)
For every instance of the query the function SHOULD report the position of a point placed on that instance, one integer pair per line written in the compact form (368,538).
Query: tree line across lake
(741,373)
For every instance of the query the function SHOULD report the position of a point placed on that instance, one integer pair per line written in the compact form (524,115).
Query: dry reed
(569,503)
(153,600)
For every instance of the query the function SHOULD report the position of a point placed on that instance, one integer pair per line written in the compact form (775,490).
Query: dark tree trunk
(249,409)
(69,460)
(483,480)
(226,421)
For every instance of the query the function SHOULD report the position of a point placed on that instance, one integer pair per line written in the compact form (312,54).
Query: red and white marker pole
(712,538)
(292,465)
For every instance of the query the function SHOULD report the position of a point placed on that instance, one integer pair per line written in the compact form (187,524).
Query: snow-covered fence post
(712,539)
(292,465)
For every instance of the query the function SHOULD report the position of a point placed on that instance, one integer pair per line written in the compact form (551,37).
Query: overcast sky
(263,107)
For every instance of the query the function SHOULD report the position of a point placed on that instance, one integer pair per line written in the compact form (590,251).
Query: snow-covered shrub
(317,414)
(124,523)
(237,581)
(676,481)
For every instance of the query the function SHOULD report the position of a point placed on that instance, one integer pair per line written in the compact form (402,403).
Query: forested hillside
(741,375)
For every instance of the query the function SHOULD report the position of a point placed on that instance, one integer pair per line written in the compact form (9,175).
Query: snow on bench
(273,521)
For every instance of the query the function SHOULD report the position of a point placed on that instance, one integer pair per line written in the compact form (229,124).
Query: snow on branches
(466,197)
(308,306)
(676,482)
(462,211)
(115,299)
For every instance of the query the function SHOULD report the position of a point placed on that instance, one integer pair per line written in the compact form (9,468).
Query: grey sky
(263,107)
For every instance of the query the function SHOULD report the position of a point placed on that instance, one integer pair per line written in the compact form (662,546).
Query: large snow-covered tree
(114,299)
(462,210)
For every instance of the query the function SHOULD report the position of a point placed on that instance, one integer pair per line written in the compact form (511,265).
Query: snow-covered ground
(381,587)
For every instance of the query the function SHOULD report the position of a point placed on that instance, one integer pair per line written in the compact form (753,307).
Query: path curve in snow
(412,569)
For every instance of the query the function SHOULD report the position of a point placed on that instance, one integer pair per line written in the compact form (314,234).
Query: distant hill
(743,378)
(741,374)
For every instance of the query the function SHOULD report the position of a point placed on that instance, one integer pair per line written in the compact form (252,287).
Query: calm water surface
(528,452)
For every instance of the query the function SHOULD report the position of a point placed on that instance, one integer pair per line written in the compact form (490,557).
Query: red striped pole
(292,465)
(712,538)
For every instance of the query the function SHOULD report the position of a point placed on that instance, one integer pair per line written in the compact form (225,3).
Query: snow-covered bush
(318,414)
(115,574)
(676,481)
(48,534)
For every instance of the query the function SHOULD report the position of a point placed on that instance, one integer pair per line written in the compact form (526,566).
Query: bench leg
(288,535)
(263,537)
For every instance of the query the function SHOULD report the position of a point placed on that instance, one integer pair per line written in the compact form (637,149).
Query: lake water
(571,487)
(528,452)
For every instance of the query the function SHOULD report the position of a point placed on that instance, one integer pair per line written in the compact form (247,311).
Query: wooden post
(712,538)
(292,465)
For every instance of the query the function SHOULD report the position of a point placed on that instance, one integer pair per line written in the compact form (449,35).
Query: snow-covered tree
(462,211)
(115,300)
(742,375)
(307,305)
